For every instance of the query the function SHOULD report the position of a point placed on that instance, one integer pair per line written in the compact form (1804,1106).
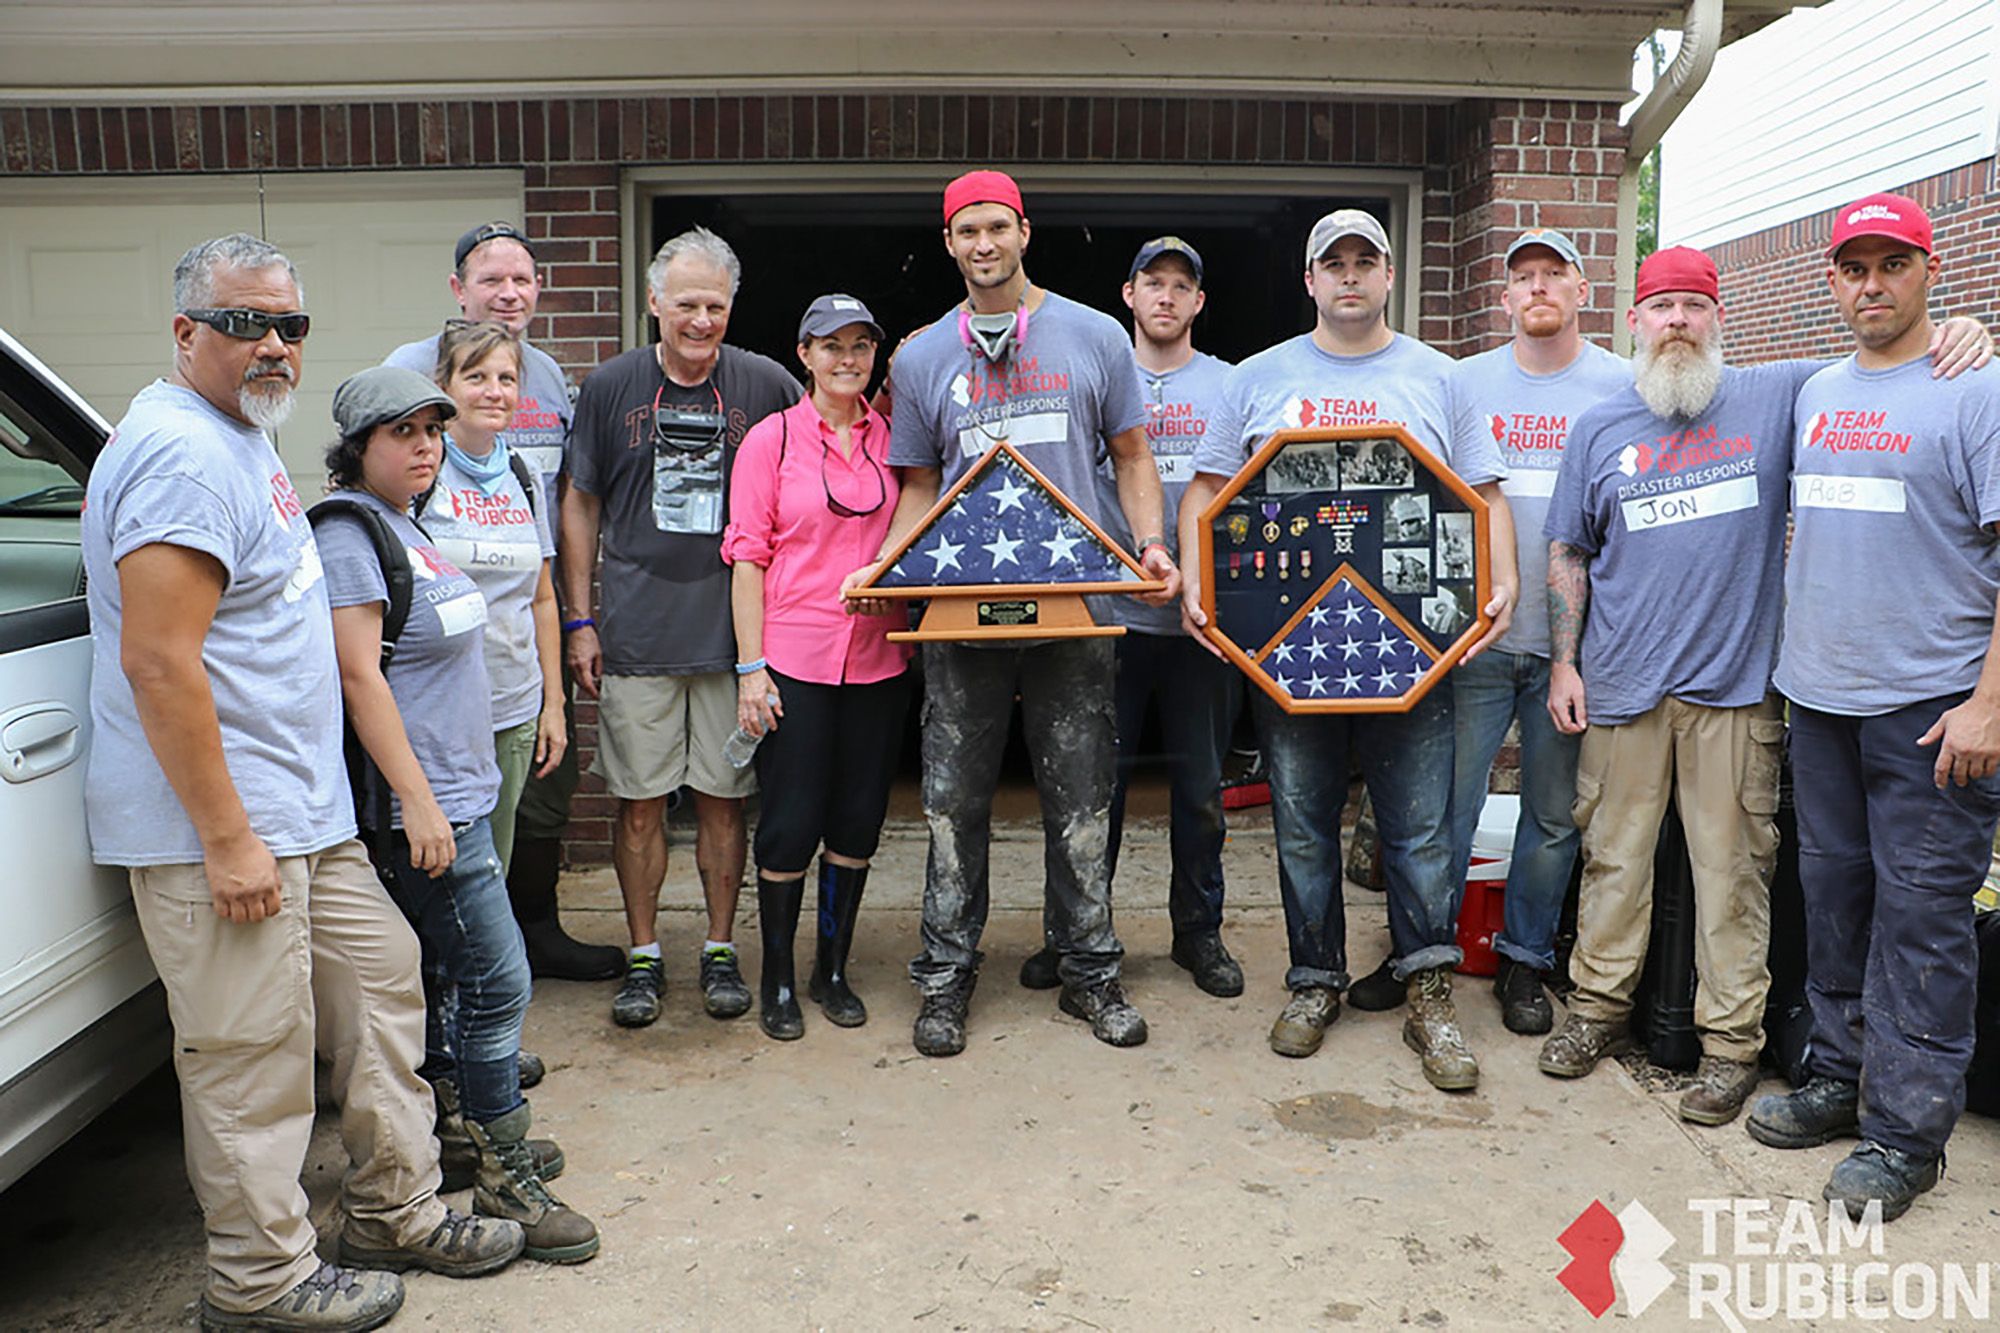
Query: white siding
(1827,105)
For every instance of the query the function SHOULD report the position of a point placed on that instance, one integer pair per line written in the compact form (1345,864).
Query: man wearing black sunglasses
(649,457)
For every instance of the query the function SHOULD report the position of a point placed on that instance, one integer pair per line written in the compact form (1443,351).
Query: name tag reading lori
(1010,613)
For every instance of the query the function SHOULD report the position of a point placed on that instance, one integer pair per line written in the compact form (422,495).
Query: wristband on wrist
(581,622)
(1150,543)
(749,668)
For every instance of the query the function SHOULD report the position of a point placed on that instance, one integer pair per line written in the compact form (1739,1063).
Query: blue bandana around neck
(489,472)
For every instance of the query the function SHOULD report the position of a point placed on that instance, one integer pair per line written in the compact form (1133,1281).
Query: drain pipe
(1701,37)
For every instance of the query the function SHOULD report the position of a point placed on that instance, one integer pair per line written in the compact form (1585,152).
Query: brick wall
(1490,168)
(1774,282)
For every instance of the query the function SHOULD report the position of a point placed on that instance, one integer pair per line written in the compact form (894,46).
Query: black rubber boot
(531,886)
(778,917)
(839,907)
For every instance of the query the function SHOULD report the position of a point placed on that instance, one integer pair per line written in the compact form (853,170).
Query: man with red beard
(1666,561)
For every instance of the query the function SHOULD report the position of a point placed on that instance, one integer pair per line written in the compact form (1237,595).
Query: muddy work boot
(1524,1005)
(459,1246)
(1721,1087)
(332,1300)
(1877,1173)
(1207,959)
(458,1156)
(1378,992)
(531,1068)
(1580,1043)
(723,994)
(1039,970)
(1302,1026)
(637,1003)
(839,908)
(1431,1030)
(1112,1019)
(1823,1110)
(508,1187)
(940,1025)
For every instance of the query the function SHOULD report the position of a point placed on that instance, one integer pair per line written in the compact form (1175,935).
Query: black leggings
(823,773)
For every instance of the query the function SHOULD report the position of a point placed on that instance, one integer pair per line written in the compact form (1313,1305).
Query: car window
(41,508)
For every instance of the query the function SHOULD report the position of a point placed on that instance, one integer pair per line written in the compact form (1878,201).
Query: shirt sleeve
(1475,455)
(753,495)
(353,571)
(1223,448)
(914,429)
(1124,403)
(175,509)
(1569,520)
(588,438)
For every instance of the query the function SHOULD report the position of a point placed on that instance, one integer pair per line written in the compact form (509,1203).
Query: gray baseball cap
(385,393)
(833,312)
(1345,222)
(1550,238)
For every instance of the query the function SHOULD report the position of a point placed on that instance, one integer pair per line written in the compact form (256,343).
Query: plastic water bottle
(741,746)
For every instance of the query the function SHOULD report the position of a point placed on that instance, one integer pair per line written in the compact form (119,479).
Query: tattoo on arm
(1569,600)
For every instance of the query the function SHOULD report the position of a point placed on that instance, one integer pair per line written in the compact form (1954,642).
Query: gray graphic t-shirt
(1685,526)
(541,418)
(438,673)
(179,472)
(1894,568)
(1528,418)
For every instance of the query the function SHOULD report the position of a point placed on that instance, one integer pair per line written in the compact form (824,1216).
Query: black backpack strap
(530,485)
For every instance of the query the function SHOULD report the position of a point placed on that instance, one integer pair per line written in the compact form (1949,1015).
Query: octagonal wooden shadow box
(1345,569)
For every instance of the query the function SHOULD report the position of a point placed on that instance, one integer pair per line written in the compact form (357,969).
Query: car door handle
(37,740)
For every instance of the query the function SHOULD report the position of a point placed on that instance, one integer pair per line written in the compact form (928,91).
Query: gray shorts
(655,733)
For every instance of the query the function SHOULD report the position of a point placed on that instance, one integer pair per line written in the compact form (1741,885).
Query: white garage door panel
(86,273)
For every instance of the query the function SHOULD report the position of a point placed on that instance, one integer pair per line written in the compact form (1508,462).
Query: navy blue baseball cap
(1165,245)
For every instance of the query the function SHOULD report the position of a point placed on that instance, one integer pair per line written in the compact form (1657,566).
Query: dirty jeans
(1489,692)
(337,963)
(1889,863)
(1197,696)
(1406,763)
(1066,713)
(466,923)
(1720,768)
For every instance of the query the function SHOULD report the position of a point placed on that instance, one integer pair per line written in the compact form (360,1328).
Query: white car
(82,1013)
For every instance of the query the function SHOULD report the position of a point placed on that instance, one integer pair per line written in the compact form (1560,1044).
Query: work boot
(1039,969)
(1823,1110)
(532,1070)
(1302,1026)
(459,1246)
(1524,1005)
(332,1300)
(1215,972)
(778,921)
(1112,1020)
(637,1004)
(723,994)
(1378,992)
(508,1187)
(458,1156)
(1580,1043)
(531,888)
(839,908)
(1431,1030)
(940,1026)
(1876,1173)
(1721,1087)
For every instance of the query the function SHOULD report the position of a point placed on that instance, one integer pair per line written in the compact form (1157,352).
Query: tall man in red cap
(1019,363)
(1895,691)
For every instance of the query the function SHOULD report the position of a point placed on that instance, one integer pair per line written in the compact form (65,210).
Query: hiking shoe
(458,1156)
(1378,992)
(459,1246)
(940,1025)
(508,1188)
(1431,1030)
(638,1002)
(1112,1019)
(1580,1043)
(533,1071)
(1721,1087)
(723,993)
(1823,1110)
(332,1300)
(1524,1005)
(1038,969)
(1876,1173)
(1302,1026)
(1215,972)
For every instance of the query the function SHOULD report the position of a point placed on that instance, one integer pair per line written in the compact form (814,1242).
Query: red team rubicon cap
(1893,215)
(1680,269)
(982,187)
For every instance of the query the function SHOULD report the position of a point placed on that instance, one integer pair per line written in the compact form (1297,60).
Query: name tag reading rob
(1871,495)
(1716,498)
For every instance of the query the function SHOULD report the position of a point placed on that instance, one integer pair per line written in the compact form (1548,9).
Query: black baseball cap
(488,231)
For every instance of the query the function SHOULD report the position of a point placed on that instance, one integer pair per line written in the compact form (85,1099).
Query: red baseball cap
(1681,268)
(982,187)
(1893,215)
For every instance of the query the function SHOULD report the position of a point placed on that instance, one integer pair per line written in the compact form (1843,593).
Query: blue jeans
(466,924)
(1889,863)
(1489,692)
(1406,763)
(1197,695)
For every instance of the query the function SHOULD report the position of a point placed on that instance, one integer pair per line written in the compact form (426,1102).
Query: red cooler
(1483,912)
